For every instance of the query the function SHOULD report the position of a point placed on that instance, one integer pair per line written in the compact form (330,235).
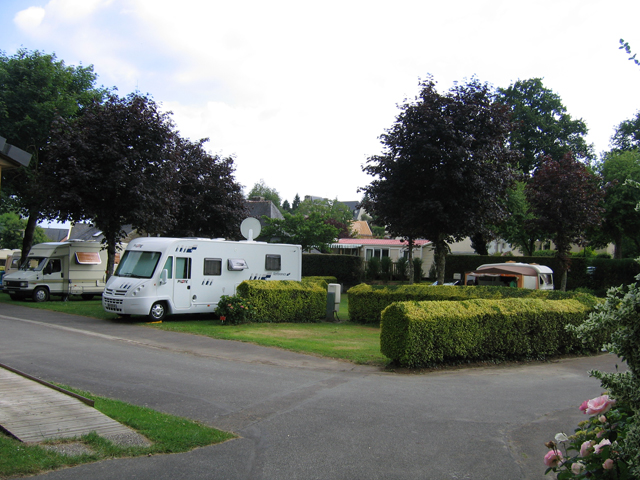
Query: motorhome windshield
(138,264)
(34,264)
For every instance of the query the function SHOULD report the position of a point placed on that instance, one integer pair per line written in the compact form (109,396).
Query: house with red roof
(367,248)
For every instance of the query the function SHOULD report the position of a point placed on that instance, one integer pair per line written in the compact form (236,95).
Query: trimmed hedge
(608,272)
(366,302)
(322,281)
(417,334)
(347,269)
(284,300)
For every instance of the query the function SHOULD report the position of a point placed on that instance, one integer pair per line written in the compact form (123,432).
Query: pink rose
(577,468)
(585,448)
(599,405)
(552,458)
(608,464)
(602,444)
(584,406)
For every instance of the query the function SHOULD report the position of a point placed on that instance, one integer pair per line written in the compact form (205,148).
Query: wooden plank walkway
(33,412)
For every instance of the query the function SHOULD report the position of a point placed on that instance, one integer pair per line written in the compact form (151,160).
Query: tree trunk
(27,241)
(410,258)
(440,258)
(617,252)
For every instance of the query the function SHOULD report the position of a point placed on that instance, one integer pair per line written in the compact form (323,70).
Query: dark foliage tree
(621,221)
(113,167)
(209,200)
(542,125)
(309,231)
(34,88)
(286,206)
(445,167)
(295,204)
(566,200)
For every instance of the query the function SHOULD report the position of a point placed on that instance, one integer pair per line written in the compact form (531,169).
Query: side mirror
(163,276)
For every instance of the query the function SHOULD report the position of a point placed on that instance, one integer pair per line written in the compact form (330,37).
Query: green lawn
(169,434)
(343,340)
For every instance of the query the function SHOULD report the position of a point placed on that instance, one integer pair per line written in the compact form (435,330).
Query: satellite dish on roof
(250,228)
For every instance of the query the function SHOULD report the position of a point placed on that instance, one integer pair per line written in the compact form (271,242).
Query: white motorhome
(13,262)
(59,268)
(521,275)
(159,276)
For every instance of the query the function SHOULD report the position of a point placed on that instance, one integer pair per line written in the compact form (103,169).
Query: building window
(212,266)
(376,252)
(273,262)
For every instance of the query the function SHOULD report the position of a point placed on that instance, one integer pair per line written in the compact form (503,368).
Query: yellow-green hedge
(324,281)
(415,334)
(366,303)
(284,300)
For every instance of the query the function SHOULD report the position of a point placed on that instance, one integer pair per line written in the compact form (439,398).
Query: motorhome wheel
(158,312)
(40,294)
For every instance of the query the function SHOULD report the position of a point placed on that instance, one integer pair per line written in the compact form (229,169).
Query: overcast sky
(299,92)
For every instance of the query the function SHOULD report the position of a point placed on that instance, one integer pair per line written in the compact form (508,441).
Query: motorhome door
(182,289)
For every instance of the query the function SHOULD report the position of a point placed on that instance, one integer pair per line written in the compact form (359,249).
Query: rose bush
(234,309)
(596,449)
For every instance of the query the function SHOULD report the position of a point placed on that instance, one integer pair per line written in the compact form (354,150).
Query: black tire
(16,297)
(158,312)
(87,296)
(40,294)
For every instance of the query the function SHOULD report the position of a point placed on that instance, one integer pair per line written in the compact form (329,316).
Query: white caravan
(59,268)
(159,276)
(521,275)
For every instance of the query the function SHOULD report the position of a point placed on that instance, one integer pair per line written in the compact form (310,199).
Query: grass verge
(169,434)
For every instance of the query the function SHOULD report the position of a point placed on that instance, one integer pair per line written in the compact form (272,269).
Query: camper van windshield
(34,264)
(138,264)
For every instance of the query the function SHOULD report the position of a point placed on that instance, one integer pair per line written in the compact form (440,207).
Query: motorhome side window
(168,266)
(273,262)
(54,266)
(212,266)
(183,268)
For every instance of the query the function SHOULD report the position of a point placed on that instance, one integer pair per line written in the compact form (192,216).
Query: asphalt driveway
(303,417)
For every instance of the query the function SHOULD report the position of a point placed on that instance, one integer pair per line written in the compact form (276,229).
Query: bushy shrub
(285,301)
(347,269)
(366,302)
(386,265)
(373,268)
(417,270)
(234,309)
(402,266)
(415,334)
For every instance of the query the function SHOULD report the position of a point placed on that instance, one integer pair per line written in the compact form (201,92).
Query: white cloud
(30,18)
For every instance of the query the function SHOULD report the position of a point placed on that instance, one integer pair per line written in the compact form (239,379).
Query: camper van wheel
(40,294)
(158,312)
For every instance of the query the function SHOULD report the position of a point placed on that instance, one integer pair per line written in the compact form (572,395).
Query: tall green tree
(261,189)
(620,219)
(518,228)
(566,199)
(445,166)
(113,165)
(35,88)
(12,229)
(627,134)
(542,125)
(309,231)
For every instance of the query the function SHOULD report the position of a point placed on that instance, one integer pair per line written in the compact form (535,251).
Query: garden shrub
(234,309)
(415,334)
(402,267)
(346,268)
(322,281)
(367,302)
(285,300)
(417,270)
(373,268)
(386,268)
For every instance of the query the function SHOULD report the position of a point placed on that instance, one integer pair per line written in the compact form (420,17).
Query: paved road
(302,417)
